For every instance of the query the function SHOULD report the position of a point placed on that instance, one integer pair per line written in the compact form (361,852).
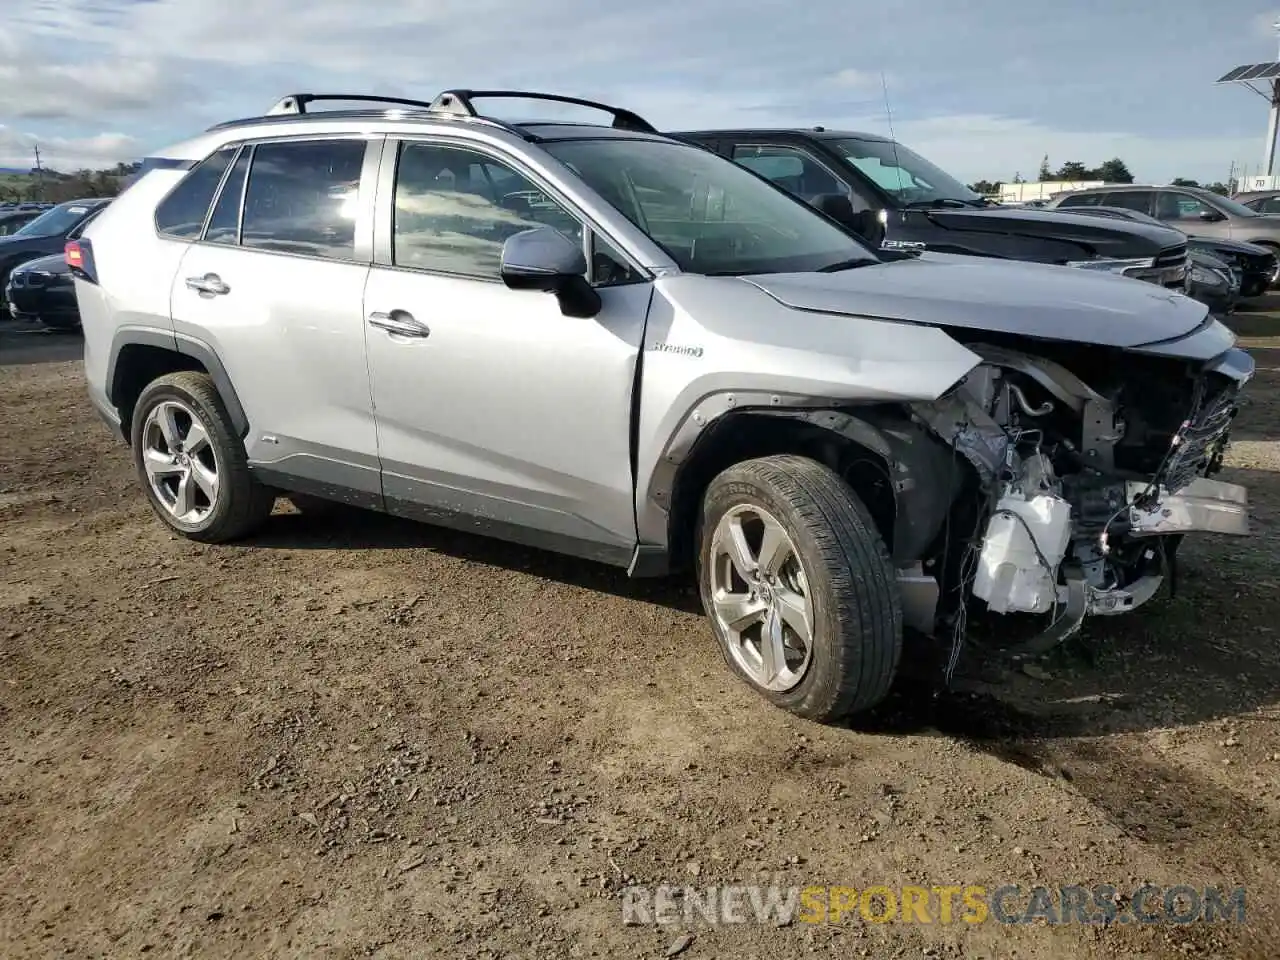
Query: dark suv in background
(897,199)
(1193,210)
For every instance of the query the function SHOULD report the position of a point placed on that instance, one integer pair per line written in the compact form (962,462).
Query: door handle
(401,323)
(210,285)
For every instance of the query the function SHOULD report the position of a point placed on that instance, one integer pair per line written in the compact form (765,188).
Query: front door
(495,411)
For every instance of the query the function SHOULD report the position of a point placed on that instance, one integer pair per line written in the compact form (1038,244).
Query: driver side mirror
(545,259)
(1211,215)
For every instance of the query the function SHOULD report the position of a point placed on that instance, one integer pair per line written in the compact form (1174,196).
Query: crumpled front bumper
(1202,506)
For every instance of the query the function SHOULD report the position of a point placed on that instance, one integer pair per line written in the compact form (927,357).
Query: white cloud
(851,78)
(66,155)
(125,64)
(35,85)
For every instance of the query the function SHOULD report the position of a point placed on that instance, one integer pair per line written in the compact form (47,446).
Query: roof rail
(460,103)
(297,102)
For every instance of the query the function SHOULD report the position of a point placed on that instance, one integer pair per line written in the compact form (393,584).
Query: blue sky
(983,88)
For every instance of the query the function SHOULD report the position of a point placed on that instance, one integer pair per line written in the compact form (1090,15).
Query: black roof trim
(813,133)
(462,103)
(451,104)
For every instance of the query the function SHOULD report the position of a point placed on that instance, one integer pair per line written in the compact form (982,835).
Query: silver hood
(1001,296)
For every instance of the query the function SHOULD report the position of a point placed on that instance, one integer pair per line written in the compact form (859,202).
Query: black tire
(857,609)
(242,503)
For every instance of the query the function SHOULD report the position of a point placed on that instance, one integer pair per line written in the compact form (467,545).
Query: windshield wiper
(846,264)
(940,202)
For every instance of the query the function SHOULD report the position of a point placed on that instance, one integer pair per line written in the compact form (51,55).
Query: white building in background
(1042,189)
(1258,183)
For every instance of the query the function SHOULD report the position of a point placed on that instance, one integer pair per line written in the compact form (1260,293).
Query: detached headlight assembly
(1121,266)
(1205,276)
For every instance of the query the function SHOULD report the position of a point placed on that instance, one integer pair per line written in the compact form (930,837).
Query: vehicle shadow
(347,528)
(23,343)
(1210,652)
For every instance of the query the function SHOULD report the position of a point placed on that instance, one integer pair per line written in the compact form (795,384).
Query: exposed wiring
(1153,485)
(957,628)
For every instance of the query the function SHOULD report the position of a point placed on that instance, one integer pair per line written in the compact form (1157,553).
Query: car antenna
(893,137)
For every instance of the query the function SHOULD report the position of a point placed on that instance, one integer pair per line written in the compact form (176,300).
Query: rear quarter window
(182,213)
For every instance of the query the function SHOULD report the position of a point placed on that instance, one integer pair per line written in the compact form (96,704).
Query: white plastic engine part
(1012,577)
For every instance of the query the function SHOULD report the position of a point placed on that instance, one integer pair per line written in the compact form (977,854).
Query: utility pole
(1269,157)
(39,175)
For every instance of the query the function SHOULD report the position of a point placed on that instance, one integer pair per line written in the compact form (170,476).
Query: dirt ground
(355,737)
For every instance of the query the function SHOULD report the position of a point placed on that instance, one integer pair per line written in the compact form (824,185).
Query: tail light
(79,257)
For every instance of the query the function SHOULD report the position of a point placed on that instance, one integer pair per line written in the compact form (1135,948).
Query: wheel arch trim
(182,345)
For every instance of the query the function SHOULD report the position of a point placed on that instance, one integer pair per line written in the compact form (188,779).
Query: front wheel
(191,463)
(799,588)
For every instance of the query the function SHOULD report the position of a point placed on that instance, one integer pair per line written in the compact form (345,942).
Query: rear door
(275,286)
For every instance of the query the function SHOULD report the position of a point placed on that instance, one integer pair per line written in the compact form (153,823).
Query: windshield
(903,174)
(1226,205)
(54,222)
(708,213)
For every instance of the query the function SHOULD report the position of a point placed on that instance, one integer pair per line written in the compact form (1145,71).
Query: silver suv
(601,341)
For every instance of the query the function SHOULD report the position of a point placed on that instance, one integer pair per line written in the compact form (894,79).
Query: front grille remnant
(1172,257)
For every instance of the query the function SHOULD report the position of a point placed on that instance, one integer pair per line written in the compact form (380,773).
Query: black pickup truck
(897,199)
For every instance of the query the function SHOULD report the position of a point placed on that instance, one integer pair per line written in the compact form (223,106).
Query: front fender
(719,345)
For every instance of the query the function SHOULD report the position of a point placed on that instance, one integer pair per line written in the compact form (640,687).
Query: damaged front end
(1086,466)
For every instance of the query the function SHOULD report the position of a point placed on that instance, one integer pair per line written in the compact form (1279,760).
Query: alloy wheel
(760,598)
(180,462)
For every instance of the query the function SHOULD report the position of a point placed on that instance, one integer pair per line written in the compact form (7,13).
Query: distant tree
(1220,188)
(1072,171)
(985,186)
(57,187)
(1017,178)
(1114,170)
(1045,173)
(1183,182)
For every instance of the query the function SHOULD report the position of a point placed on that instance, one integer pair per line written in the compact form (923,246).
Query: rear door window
(1139,200)
(1080,200)
(303,197)
(791,168)
(224,225)
(182,213)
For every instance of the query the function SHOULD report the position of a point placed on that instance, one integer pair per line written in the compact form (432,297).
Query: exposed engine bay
(1085,468)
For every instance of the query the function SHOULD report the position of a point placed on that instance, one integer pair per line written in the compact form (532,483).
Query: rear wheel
(799,588)
(191,464)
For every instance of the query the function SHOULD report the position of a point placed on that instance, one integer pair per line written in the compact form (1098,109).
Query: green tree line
(1114,170)
(56,187)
